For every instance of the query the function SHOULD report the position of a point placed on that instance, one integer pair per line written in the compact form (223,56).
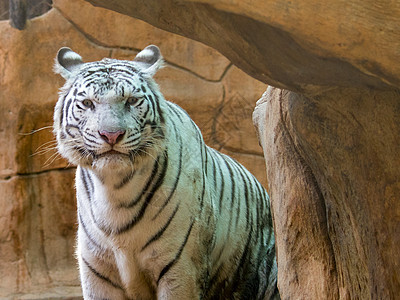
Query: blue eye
(132,100)
(88,103)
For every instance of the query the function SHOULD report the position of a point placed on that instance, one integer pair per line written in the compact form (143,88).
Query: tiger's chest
(117,229)
(135,223)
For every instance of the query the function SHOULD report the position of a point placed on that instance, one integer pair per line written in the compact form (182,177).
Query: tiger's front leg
(99,278)
(183,281)
(95,283)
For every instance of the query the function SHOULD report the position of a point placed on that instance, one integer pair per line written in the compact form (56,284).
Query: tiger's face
(108,115)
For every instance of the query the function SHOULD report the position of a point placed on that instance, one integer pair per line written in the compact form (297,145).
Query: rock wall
(37,215)
(340,169)
(304,46)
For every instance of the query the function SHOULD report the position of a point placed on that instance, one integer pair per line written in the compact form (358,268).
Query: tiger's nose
(112,137)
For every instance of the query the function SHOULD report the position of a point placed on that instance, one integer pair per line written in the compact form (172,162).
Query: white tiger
(161,215)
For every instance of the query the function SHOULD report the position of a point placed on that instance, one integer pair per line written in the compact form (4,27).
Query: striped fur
(161,215)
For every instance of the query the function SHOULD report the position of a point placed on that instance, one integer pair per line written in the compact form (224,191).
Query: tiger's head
(109,114)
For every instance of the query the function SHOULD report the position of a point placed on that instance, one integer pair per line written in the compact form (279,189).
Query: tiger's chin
(112,161)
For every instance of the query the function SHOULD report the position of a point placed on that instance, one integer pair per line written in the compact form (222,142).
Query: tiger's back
(161,215)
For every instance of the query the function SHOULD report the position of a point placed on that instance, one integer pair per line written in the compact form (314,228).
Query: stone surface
(122,32)
(305,46)
(38,224)
(333,171)
(37,215)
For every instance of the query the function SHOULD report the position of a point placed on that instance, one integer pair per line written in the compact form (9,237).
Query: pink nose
(112,137)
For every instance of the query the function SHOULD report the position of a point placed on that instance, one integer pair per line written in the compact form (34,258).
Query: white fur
(203,236)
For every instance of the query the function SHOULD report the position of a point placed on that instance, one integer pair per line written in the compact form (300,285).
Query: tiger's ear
(149,60)
(67,61)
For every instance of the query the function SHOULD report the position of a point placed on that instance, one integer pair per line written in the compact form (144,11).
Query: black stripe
(149,196)
(92,141)
(214,168)
(205,151)
(222,189)
(69,132)
(275,293)
(159,111)
(146,188)
(162,230)
(74,116)
(269,263)
(133,134)
(204,169)
(177,110)
(131,142)
(247,189)
(93,69)
(93,80)
(62,111)
(152,102)
(86,181)
(90,134)
(80,107)
(140,102)
(231,179)
(177,256)
(66,109)
(246,194)
(126,68)
(232,198)
(124,181)
(68,127)
(85,230)
(262,197)
(218,257)
(214,280)
(244,258)
(101,276)
(72,126)
(198,133)
(177,177)
(145,117)
(89,179)
(86,185)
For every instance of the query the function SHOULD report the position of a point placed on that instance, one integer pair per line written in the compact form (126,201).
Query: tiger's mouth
(110,153)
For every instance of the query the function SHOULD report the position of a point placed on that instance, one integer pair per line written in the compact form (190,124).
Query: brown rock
(38,222)
(122,32)
(334,192)
(302,46)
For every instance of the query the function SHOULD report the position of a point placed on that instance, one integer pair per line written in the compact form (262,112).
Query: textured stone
(299,45)
(334,192)
(122,32)
(37,235)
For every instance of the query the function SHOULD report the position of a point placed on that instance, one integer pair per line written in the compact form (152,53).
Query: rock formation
(331,138)
(38,210)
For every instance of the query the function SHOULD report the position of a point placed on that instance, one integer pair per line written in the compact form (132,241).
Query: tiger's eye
(87,103)
(131,100)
